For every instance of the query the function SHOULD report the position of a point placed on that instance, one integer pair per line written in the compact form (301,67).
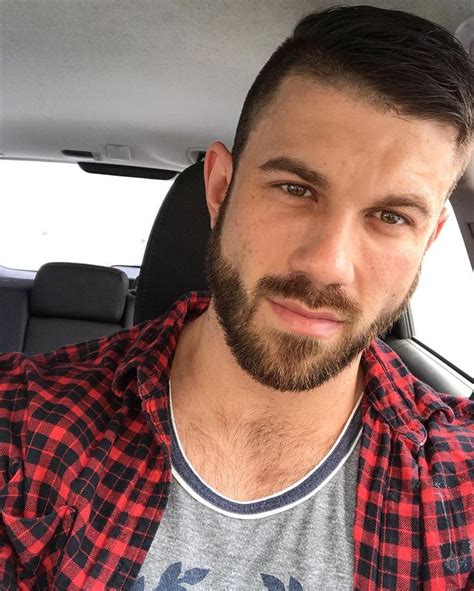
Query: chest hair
(252,459)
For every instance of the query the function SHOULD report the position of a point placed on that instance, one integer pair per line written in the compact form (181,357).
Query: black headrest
(73,290)
(174,258)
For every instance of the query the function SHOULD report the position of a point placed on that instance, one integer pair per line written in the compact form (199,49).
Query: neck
(208,381)
(225,419)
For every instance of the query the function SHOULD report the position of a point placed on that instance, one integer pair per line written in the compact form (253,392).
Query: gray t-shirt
(298,539)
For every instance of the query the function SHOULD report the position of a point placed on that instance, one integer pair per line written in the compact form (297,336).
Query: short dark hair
(401,61)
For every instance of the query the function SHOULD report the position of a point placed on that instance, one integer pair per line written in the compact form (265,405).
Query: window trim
(446,362)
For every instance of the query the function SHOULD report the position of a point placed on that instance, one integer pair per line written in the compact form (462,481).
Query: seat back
(174,258)
(14,312)
(67,303)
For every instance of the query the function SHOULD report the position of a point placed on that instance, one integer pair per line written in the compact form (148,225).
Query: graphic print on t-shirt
(274,584)
(174,580)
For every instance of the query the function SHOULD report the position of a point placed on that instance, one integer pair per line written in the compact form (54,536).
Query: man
(273,439)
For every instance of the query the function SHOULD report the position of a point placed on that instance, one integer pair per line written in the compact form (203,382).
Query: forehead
(347,135)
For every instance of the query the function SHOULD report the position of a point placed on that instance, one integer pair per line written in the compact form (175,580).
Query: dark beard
(276,359)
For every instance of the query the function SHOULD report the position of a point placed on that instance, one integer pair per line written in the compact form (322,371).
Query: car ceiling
(161,78)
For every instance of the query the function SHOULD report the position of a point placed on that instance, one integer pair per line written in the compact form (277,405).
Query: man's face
(319,244)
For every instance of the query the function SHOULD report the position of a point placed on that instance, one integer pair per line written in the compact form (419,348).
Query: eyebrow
(316,178)
(414,201)
(298,167)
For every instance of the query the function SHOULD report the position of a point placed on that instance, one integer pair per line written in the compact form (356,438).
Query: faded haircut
(399,61)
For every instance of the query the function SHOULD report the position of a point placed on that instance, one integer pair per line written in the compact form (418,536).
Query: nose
(327,252)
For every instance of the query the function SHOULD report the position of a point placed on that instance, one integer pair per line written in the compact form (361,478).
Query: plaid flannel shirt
(85,466)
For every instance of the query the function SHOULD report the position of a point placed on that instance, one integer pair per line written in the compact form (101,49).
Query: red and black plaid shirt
(85,467)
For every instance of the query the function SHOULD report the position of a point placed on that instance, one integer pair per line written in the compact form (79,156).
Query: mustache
(300,287)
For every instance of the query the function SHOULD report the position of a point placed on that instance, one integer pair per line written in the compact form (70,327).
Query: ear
(443,216)
(217,177)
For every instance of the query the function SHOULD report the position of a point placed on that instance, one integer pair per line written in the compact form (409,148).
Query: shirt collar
(399,398)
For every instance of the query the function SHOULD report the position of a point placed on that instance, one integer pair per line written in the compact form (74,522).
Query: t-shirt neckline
(296,493)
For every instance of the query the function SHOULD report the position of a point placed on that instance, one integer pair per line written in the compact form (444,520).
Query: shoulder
(107,352)
(95,373)
(66,362)
(408,403)
(43,391)
(450,433)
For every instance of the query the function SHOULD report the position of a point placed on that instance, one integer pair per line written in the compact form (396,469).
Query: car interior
(141,89)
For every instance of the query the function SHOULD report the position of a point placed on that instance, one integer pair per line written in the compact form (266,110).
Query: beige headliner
(161,77)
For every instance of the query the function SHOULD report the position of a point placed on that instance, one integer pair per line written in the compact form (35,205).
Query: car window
(58,212)
(442,304)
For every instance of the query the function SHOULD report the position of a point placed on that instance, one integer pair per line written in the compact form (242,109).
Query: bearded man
(262,436)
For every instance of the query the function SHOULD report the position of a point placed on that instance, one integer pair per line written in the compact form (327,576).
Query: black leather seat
(67,303)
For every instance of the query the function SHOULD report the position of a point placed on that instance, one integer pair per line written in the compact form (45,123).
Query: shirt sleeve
(13,425)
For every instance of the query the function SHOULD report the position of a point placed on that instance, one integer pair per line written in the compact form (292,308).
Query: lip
(312,314)
(315,323)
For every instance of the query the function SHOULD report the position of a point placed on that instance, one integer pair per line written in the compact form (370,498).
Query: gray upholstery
(67,303)
(14,312)
(47,334)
